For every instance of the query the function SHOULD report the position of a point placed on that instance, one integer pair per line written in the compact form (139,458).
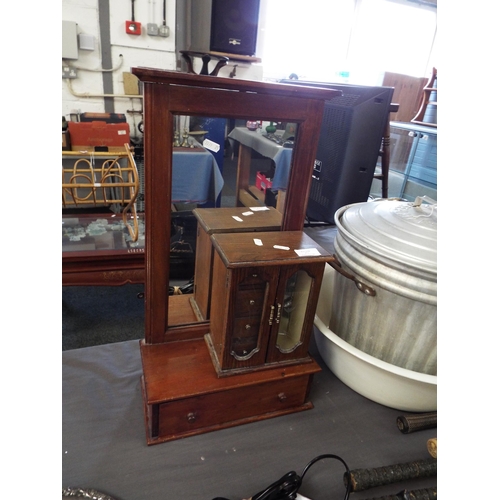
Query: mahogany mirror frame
(170,93)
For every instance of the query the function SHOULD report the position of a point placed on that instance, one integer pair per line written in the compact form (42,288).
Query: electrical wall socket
(164,30)
(68,72)
(152,29)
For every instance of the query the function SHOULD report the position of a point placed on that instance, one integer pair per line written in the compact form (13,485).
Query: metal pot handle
(361,286)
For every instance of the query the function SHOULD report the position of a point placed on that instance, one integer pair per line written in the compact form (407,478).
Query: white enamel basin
(373,378)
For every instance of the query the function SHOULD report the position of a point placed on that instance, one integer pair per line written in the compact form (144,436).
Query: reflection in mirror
(249,155)
(221,163)
(293,311)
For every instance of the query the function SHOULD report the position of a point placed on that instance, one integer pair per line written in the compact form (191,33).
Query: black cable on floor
(287,487)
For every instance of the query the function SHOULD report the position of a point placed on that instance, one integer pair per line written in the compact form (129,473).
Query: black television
(348,148)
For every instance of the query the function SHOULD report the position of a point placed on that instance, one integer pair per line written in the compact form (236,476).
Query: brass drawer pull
(282,397)
(271,315)
(191,417)
(278,314)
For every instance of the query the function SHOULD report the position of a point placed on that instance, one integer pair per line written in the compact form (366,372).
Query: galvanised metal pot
(388,248)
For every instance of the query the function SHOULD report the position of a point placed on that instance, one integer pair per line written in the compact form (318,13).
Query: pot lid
(402,231)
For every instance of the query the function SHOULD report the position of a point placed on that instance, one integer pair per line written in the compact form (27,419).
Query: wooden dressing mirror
(170,94)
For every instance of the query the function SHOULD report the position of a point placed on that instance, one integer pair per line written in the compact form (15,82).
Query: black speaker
(234,26)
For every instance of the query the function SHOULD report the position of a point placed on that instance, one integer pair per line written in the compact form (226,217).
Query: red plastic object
(133,27)
(262,182)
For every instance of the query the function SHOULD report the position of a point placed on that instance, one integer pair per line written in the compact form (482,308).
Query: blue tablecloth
(281,156)
(196,178)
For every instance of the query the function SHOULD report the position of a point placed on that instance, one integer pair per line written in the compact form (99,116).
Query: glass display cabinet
(413,168)
(100,250)
(415,149)
(183,394)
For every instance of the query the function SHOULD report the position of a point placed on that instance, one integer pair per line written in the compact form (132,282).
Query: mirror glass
(293,311)
(220,163)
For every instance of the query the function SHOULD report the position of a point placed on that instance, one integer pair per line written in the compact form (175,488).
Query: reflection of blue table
(196,178)
(281,156)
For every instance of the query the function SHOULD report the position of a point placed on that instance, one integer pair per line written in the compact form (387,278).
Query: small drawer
(246,327)
(249,303)
(245,336)
(243,348)
(254,277)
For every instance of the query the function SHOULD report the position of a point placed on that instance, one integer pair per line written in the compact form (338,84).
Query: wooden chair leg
(385,152)
(386,159)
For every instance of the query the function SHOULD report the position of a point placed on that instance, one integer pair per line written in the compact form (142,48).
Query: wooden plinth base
(183,396)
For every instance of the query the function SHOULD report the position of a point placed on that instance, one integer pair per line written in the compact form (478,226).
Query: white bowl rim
(378,363)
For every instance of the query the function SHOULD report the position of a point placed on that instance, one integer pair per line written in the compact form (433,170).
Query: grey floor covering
(104,440)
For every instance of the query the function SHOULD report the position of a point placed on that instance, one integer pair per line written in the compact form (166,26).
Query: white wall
(137,50)
(84,93)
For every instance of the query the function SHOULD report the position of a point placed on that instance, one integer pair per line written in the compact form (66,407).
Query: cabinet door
(252,311)
(296,301)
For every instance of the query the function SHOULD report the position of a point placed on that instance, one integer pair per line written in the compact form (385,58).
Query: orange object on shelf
(98,136)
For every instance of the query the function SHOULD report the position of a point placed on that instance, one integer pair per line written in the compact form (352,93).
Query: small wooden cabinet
(264,296)
(223,220)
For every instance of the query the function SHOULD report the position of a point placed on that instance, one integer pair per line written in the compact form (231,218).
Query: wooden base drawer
(184,396)
(208,412)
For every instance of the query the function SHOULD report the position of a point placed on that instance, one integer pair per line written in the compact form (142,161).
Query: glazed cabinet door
(295,306)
